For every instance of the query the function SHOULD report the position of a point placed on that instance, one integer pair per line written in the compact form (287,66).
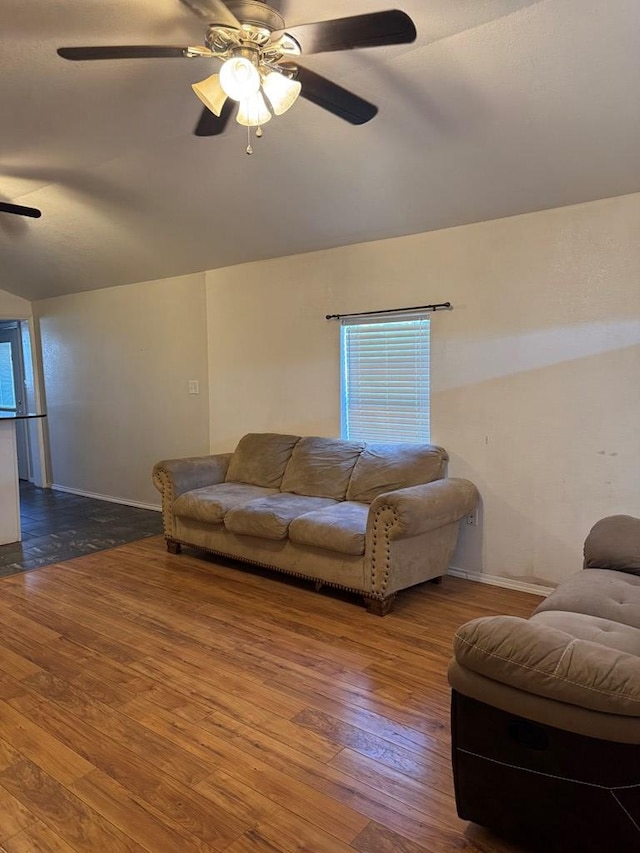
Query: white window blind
(385,378)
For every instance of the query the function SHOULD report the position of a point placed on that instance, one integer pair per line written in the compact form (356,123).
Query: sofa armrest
(546,661)
(419,509)
(174,477)
(181,475)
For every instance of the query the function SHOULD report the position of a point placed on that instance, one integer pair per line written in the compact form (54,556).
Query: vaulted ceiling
(499,107)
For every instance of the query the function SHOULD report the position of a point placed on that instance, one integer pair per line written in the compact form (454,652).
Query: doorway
(17,387)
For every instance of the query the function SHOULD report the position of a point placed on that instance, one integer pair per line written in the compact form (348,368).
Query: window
(385,378)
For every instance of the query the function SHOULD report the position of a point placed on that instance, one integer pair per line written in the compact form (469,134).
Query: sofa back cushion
(321,467)
(614,543)
(260,459)
(385,467)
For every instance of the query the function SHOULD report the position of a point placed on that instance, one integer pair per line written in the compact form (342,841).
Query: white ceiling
(500,107)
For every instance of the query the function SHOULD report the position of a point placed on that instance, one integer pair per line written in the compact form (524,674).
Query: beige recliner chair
(546,711)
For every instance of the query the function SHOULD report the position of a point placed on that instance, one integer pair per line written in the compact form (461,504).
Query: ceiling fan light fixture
(252,43)
(239,76)
(211,93)
(253,111)
(282,92)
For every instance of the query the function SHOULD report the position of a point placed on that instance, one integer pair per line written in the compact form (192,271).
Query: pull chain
(259,132)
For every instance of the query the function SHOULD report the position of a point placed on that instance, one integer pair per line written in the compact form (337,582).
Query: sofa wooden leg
(380,606)
(437,580)
(173,547)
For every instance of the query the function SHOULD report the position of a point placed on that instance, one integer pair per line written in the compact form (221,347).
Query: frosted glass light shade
(281,92)
(253,111)
(211,93)
(239,78)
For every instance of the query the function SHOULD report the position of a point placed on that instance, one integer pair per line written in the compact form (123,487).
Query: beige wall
(117,363)
(535,372)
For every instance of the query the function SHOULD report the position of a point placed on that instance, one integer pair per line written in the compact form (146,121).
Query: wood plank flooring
(151,702)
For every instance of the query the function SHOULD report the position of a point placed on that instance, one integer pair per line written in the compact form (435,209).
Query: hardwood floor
(151,702)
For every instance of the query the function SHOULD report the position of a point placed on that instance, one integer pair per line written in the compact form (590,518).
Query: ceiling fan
(19,209)
(260,71)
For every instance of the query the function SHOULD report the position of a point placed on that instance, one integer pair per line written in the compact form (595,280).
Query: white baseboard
(496,580)
(109,498)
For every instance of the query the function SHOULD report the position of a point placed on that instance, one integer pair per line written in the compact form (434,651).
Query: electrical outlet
(472,518)
(194,386)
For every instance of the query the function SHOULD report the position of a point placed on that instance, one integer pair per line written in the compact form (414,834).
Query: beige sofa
(370,518)
(546,710)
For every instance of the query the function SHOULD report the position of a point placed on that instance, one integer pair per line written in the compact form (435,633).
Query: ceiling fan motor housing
(258,22)
(256,13)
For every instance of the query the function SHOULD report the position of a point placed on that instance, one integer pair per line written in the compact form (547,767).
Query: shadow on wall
(467,361)
(552,450)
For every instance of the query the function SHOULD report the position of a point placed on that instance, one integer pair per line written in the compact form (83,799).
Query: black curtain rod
(440,306)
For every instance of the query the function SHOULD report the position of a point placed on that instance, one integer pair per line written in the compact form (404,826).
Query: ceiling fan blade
(130,51)
(371,30)
(214,12)
(212,125)
(334,98)
(7,207)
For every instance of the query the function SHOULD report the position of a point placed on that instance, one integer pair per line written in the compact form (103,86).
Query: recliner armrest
(419,509)
(548,662)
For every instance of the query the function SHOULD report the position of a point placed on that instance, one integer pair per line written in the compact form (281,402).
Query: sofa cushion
(614,543)
(321,467)
(341,528)
(598,592)
(210,504)
(386,467)
(270,517)
(261,458)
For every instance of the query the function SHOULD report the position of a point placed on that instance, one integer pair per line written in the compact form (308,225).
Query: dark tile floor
(58,526)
